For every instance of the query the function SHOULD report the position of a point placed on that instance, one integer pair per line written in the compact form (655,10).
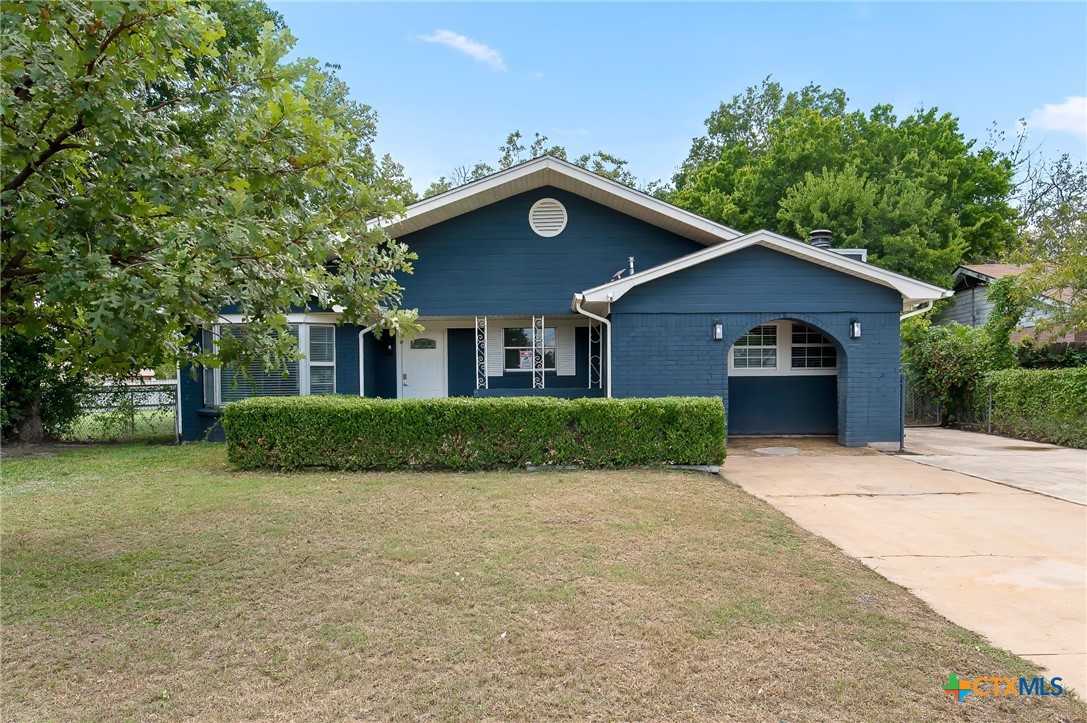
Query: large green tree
(914,191)
(1053,203)
(160,165)
(514,151)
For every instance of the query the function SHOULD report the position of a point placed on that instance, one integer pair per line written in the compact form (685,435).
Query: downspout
(927,306)
(607,335)
(362,361)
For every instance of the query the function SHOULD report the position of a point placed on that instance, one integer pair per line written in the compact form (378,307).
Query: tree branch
(55,146)
(204,93)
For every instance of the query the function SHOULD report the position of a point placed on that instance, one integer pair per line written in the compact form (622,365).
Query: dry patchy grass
(156,582)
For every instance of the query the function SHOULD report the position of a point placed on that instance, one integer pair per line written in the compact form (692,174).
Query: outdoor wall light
(718,331)
(855,329)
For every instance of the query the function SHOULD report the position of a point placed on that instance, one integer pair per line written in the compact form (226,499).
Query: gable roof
(913,292)
(550,171)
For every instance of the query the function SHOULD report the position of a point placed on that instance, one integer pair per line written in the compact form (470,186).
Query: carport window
(757,349)
(783,348)
(812,350)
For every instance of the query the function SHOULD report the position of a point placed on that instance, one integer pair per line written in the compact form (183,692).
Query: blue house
(548,279)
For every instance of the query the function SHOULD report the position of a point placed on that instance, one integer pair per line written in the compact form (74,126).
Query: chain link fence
(975,414)
(921,409)
(138,411)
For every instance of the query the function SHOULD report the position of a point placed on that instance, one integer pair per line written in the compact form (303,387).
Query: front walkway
(1059,472)
(1003,562)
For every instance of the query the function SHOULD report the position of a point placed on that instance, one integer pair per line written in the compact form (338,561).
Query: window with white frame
(757,349)
(517,349)
(321,358)
(315,373)
(783,347)
(811,350)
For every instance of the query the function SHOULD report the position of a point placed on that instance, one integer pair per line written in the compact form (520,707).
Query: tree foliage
(1011,302)
(514,151)
(948,361)
(162,162)
(39,398)
(1054,242)
(160,165)
(913,191)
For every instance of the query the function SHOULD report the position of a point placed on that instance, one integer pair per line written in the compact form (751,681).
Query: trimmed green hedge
(465,434)
(1047,405)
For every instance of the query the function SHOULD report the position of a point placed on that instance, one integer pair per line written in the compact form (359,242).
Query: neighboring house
(972,307)
(546,279)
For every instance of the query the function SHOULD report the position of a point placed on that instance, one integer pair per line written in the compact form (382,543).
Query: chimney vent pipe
(820,238)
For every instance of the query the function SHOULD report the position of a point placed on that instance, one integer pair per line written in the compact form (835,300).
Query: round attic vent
(547,217)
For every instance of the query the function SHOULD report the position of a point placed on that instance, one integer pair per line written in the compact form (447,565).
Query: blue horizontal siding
(489,262)
(763,279)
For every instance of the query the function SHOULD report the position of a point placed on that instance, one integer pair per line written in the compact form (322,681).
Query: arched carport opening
(785,377)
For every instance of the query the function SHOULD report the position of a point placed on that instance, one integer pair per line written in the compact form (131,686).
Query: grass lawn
(143,581)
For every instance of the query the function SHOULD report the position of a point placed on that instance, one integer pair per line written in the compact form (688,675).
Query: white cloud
(473,49)
(1067,117)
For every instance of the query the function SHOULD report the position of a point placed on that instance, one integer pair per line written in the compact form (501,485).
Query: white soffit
(548,171)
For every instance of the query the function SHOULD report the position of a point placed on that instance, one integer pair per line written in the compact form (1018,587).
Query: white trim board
(550,171)
(913,292)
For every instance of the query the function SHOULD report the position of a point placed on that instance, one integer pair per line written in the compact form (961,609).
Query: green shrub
(466,434)
(948,361)
(1047,405)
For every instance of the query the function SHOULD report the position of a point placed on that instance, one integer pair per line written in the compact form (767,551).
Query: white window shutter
(565,356)
(495,350)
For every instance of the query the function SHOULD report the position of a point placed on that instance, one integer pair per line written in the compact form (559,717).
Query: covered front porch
(558,355)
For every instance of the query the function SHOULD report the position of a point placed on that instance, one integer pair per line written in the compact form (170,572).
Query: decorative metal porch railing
(537,352)
(481,352)
(596,345)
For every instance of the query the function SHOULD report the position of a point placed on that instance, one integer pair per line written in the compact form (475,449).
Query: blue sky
(450,80)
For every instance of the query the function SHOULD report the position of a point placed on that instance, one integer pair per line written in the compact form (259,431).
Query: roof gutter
(578,298)
(925,307)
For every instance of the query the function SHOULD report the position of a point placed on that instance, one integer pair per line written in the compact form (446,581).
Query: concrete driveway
(1004,562)
(1059,472)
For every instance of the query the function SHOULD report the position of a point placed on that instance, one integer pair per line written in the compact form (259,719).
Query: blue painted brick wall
(658,355)
(661,354)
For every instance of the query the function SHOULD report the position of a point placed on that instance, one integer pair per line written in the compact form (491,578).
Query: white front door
(422,366)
